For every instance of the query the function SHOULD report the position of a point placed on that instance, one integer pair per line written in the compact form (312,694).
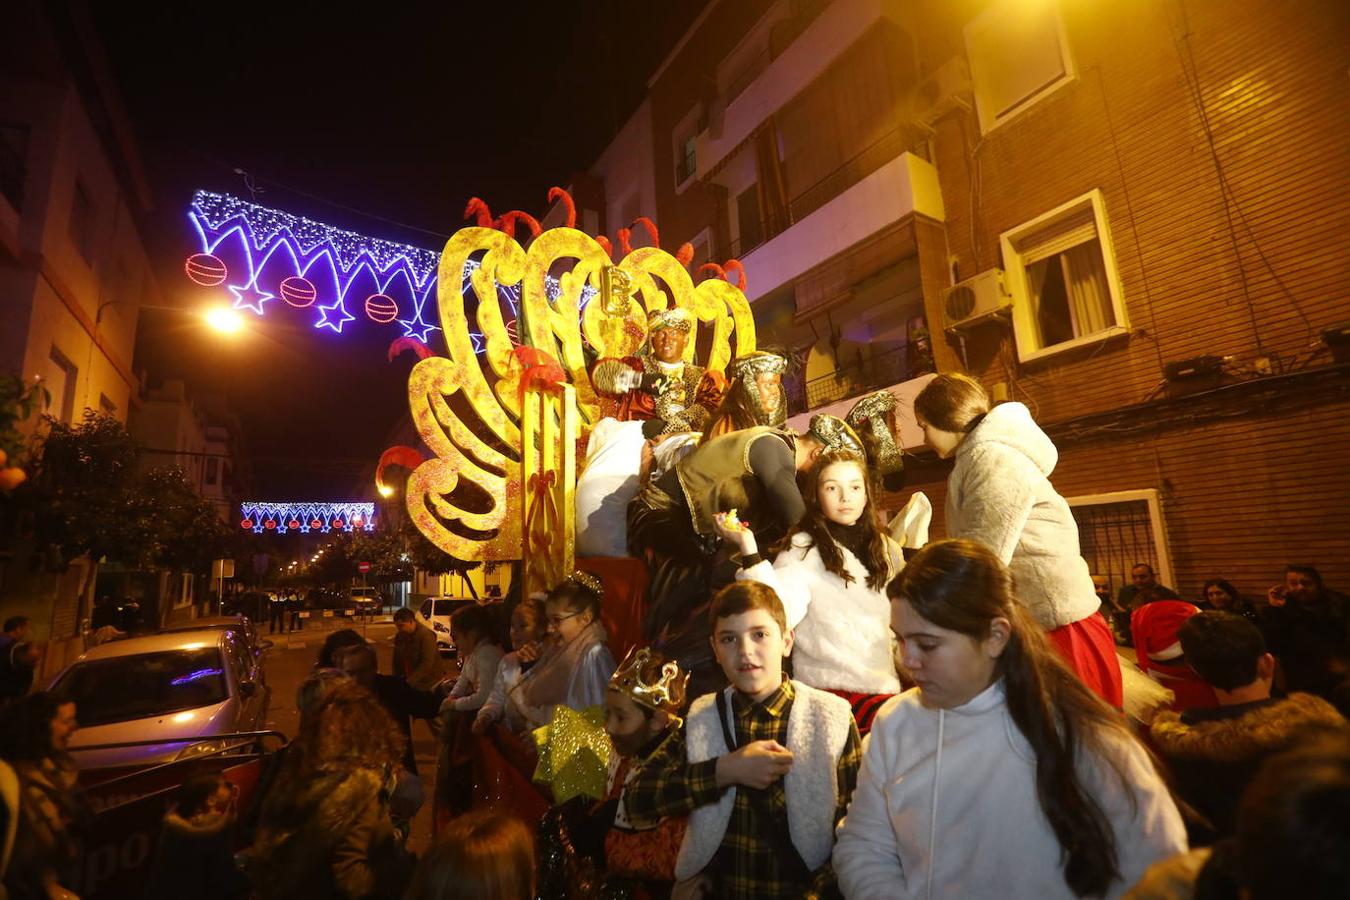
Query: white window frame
(1157,526)
(1015,279)
(709,240)
(989,118)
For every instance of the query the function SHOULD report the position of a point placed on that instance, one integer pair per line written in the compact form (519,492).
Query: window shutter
(1078,227)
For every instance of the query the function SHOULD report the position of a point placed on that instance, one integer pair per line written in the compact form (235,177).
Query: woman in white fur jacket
(1000,774)
(831,576)
(999,494)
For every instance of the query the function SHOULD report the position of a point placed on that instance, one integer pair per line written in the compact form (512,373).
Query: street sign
(363,567)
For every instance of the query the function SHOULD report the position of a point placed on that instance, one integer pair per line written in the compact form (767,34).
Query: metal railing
(857,378)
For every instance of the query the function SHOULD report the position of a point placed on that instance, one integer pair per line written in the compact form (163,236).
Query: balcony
(828,35)
(836,393)
(836,213)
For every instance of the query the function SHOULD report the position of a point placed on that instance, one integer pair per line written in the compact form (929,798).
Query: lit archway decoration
(304,516)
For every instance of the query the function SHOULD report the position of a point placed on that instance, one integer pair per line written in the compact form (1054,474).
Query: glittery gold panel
(615,326)
(573,754)
(461,455)
(549,474)
(555,327)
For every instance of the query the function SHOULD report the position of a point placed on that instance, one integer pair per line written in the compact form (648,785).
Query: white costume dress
(841,631)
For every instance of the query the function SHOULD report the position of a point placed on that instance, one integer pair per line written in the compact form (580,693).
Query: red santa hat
(1155,626)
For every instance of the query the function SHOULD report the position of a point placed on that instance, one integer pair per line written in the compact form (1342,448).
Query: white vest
(818,729)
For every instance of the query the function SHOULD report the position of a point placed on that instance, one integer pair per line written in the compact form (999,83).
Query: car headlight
(201,748)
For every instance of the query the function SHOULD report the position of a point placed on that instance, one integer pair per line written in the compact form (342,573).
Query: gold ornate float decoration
(503,426)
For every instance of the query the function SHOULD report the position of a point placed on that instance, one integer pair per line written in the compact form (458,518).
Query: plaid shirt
(748,866)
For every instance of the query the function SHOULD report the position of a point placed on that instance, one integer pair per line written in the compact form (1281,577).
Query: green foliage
(18,403)
(87,496)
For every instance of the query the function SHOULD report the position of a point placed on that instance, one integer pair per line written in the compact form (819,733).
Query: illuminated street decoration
(304,516)
(472,498)
(258,254)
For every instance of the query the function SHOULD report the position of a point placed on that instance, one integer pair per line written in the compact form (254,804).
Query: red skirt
(1089,649)
(865,707)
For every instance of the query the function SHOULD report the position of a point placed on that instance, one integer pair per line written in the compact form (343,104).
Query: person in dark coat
(195,857)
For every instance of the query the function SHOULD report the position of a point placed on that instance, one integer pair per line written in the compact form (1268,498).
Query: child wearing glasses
(575,669)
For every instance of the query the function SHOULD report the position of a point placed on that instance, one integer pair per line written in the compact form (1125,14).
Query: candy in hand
(731,522)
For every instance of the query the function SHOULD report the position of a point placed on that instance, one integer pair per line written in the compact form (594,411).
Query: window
(748,225)
(702,248)
(144,685)
(1017,56)
(59,378)
(105,405)
(686,164)
(1120,529)
(13,162)
(212,471)
(683,141)
(82,222)
(1061,273)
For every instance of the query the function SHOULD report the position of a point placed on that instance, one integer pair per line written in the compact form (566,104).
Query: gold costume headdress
(675,317)
(640,679)
(760,362)
(870,418)
(834,433)
(589,582)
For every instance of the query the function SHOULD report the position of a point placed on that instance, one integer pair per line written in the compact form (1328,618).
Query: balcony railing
(873,157)
(856,378)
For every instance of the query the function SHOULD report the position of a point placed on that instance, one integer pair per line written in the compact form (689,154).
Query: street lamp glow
(224,319)
(385,490)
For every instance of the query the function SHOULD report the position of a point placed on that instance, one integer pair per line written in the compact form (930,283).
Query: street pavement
(291,658)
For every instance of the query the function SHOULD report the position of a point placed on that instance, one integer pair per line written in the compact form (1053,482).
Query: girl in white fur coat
(831,576)
(999,494)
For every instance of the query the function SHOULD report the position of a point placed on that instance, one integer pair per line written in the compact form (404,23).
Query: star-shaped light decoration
(573,753)
(418,327)
(334,316)
(249,297)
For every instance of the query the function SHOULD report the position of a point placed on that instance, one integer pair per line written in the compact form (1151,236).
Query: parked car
(366,600)
(180,687)
(435,613)
(242,627)
(325,598)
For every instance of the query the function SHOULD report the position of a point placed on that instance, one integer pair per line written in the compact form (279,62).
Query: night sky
(383,123)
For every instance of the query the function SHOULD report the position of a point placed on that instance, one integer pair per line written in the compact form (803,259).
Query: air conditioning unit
(974,300)
(947,88)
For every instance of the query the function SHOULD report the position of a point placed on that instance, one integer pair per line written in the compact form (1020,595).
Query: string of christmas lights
(261,255)
(304,516)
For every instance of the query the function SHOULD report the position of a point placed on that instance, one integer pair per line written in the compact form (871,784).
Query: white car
(173,689)
(435,613)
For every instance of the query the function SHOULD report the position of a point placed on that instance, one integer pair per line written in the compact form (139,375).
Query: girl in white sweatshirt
(831,575)
(1000,774)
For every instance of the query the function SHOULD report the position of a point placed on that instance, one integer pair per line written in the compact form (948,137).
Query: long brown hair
(815,525)
(952,402)
(348,730)
(484,855)
(962,586)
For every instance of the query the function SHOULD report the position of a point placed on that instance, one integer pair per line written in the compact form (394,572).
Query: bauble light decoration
(381,309)
(298,291)
(206,269)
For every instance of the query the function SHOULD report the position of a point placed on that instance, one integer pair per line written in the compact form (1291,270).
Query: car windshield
(447,607)
(148,684)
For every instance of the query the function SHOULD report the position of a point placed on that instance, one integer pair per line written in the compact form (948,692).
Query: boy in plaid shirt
(764,769)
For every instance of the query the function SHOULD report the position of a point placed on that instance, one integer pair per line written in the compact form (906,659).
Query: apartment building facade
(73,266)
(1130,217)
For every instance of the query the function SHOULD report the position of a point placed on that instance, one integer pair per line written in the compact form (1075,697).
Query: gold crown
(675,317)
(589,582)
(761,362)
(665,692)
(834,433)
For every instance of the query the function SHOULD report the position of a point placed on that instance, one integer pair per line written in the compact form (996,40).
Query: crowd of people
(814,709)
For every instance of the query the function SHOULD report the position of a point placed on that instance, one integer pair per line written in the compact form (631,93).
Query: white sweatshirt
(841,631)
(946,806)
(475,682)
